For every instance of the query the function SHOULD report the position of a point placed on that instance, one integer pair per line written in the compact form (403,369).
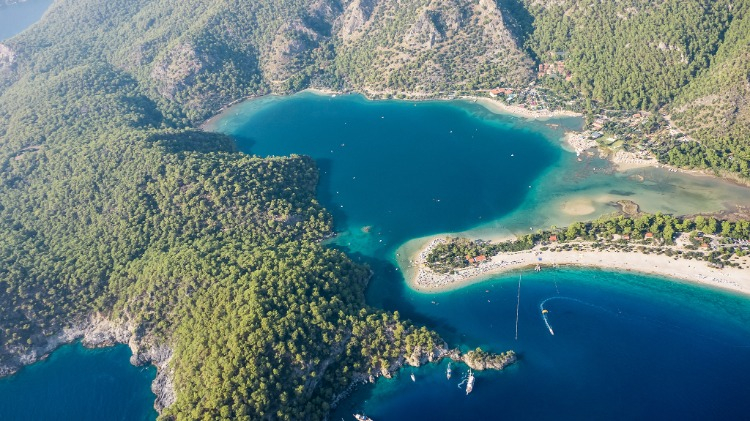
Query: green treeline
(111,204)
(630,55)
(688,59)
(452,254)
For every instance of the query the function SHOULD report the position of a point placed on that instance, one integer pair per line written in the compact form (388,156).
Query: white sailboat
(470,383)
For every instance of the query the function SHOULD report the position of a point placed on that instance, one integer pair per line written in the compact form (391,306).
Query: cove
(396,172)
(17,17)
(392,171)
(626,345)
(76,383)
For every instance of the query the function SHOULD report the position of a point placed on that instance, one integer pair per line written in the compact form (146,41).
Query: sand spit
(696,271)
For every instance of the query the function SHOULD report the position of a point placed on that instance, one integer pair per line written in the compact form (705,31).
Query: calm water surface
(14,19)
(76,383)
(626,346)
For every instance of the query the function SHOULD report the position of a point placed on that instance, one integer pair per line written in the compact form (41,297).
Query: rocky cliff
(97,331)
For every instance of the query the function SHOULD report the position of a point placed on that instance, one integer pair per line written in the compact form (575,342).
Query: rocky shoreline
(96,331)
(476,360)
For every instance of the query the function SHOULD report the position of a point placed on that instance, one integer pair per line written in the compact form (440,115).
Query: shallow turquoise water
(626,346)
(76,383)
(14,19)
(403,169)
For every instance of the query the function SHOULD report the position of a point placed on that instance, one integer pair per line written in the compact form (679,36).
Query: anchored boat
(448,372)
(362,417)
(470,383)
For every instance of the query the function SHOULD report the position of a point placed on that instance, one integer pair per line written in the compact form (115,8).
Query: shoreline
(97,331)
(492,105)
(621,160)
(694,271)
(499,107)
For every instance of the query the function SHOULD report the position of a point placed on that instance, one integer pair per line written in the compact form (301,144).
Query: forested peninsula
(122,222)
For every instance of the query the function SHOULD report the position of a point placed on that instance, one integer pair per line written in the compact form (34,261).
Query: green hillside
(714,108)
(112,203)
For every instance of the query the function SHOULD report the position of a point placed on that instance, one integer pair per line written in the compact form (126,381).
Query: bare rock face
(298,37)
(292,41)
(7,59)
(494,27)
(321,15)
(426,31)
(427,46)
(355,17)
(177,68)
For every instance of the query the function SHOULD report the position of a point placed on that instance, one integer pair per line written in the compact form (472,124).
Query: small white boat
(448,372)
(413,378)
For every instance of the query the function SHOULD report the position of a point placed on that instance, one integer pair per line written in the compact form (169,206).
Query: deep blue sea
(14,19)
(626,346)
(76,383)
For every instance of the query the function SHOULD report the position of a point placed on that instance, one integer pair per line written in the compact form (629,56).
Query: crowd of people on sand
(629,158)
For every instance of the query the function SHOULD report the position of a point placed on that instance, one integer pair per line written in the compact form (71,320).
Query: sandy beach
(321,91)
(735,279)
(500,107)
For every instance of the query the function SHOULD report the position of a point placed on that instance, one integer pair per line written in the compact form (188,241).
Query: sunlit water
(625,345)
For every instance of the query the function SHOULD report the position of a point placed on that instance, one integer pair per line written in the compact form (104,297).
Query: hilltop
(114,207)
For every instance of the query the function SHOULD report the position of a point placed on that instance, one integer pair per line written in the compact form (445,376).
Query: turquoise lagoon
(395,172)
(626,346)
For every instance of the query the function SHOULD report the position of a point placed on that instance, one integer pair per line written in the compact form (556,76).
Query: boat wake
(545,312)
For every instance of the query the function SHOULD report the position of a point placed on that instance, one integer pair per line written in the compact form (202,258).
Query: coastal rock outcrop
(7,59)
(97,331)
(481,360)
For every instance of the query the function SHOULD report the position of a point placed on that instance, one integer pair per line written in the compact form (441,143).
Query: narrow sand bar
(735,279)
